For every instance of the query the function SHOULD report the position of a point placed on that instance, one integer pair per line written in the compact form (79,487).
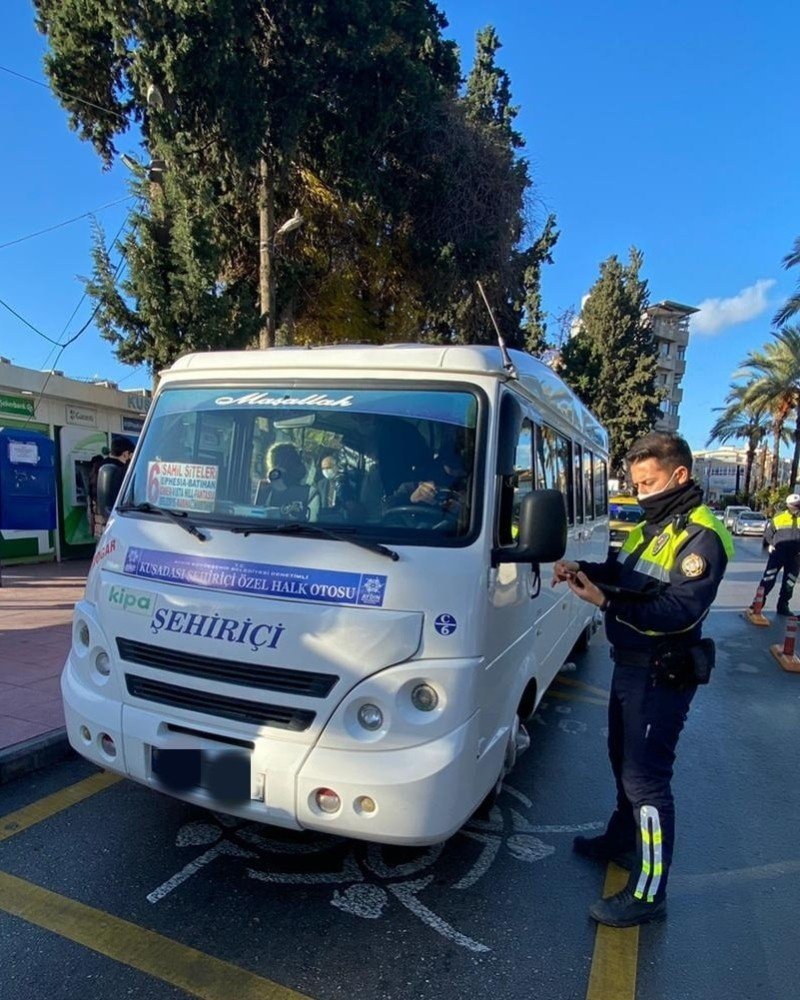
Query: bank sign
(16,406)
(294,583)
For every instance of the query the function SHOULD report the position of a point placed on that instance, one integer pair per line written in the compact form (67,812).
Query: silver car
(749,522)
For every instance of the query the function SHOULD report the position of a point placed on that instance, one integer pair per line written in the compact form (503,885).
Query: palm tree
(742,421)
(775,386)
(792,305)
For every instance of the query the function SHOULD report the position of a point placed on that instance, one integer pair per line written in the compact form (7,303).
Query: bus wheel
(518,742)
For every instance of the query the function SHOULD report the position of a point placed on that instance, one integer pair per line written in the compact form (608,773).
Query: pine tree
(611,360)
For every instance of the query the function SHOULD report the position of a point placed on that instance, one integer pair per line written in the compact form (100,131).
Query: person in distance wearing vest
(782,535)
(660,587)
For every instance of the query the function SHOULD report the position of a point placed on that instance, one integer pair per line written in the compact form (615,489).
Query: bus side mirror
(109,480)
(542,530)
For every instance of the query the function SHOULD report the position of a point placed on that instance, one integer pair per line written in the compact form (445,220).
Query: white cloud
(719,314)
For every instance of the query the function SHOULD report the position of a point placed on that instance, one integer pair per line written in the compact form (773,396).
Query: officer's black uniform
(782,532)
(650,691)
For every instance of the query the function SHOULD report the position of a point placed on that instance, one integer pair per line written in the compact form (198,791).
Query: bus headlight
(424,698)
(370,717)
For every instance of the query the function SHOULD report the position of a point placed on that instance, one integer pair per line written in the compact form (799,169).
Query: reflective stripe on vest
(658,558)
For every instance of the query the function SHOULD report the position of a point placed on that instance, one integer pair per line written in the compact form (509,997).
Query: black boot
(605,848)
(783,608)
(625,910)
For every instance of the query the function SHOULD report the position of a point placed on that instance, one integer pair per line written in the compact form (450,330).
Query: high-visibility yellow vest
(785,520)
(659,557)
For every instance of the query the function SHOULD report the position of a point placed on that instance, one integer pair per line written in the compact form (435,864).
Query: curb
(33,754)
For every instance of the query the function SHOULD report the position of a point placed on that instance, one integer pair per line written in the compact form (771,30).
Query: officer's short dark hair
(667,448)
(119,445)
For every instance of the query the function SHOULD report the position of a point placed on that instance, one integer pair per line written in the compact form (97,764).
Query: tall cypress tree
(610,361)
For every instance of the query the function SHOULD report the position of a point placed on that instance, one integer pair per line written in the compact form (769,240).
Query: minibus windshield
(394,463)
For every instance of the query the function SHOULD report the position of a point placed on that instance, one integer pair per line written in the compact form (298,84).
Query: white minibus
(322,600)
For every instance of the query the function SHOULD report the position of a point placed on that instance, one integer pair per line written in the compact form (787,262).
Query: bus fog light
(86,736)
(424,698)
(107,745)
(82,634)
(364,804)
(370,717)
(327,800)
(102,663)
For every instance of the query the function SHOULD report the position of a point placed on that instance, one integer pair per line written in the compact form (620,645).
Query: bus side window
(553,465)
(588,501)
(521,485)
(577,465)
(600,487)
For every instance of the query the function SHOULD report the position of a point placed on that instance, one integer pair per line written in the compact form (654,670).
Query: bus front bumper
(414,796)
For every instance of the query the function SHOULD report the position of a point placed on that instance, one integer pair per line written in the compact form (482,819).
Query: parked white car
(750,522)
(731,513)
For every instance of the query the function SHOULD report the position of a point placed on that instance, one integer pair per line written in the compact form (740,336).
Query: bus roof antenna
(508,364)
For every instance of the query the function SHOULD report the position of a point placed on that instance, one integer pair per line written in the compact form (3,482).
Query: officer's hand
(581,585)
(563,570)
(771,549)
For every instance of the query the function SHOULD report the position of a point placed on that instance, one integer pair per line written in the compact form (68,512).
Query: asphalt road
(498,911)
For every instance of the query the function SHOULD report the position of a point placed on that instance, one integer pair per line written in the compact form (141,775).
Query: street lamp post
(267,237)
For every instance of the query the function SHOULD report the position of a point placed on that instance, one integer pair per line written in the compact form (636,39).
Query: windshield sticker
(266,399)
(326,403)
(182,485)
(253,634)
(292,583)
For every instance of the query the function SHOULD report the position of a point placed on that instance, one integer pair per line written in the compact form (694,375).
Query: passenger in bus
(328,483)
(284,487)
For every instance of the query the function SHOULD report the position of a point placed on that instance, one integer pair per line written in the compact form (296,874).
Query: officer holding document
(655,593)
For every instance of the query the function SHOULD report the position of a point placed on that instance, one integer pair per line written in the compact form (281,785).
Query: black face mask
(664,506)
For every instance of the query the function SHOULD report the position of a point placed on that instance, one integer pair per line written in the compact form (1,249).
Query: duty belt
(648,658)
(632,657)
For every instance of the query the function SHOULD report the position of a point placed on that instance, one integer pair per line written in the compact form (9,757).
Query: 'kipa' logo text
(246,632)
(131,600)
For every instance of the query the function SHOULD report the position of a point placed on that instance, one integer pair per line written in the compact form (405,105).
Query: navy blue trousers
(786,558)
(645,719)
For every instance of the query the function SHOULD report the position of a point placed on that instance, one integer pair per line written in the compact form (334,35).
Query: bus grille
(295,719)
(306,684)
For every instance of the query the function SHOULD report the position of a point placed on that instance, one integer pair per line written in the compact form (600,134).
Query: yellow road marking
(564,696)
(571,682)
(29,816)
(616,950)
(159,956)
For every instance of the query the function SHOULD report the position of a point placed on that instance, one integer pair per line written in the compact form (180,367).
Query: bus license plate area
(225,774)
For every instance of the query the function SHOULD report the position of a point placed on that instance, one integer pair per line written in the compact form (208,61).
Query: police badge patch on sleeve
(693,566)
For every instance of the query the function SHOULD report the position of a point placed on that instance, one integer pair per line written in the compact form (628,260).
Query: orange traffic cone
(755,613)
(785,654)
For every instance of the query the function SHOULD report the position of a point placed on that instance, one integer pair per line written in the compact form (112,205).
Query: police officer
(661,585)
(783,538)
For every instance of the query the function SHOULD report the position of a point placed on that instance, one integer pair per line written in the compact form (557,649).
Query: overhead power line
(64,93)
(67,222)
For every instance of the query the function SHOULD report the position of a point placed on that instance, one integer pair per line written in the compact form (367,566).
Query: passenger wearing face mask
(327,485)
(283,489)
(658,590)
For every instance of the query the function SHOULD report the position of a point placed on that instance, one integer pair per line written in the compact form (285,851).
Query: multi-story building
(722,472)
(669,324)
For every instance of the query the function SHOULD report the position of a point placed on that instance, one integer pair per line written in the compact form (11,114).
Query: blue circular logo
(445,625)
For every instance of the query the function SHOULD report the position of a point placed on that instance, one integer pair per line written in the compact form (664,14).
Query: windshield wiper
(179,518)
(305,528)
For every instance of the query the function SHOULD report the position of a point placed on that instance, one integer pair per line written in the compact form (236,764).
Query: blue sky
(668,126)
